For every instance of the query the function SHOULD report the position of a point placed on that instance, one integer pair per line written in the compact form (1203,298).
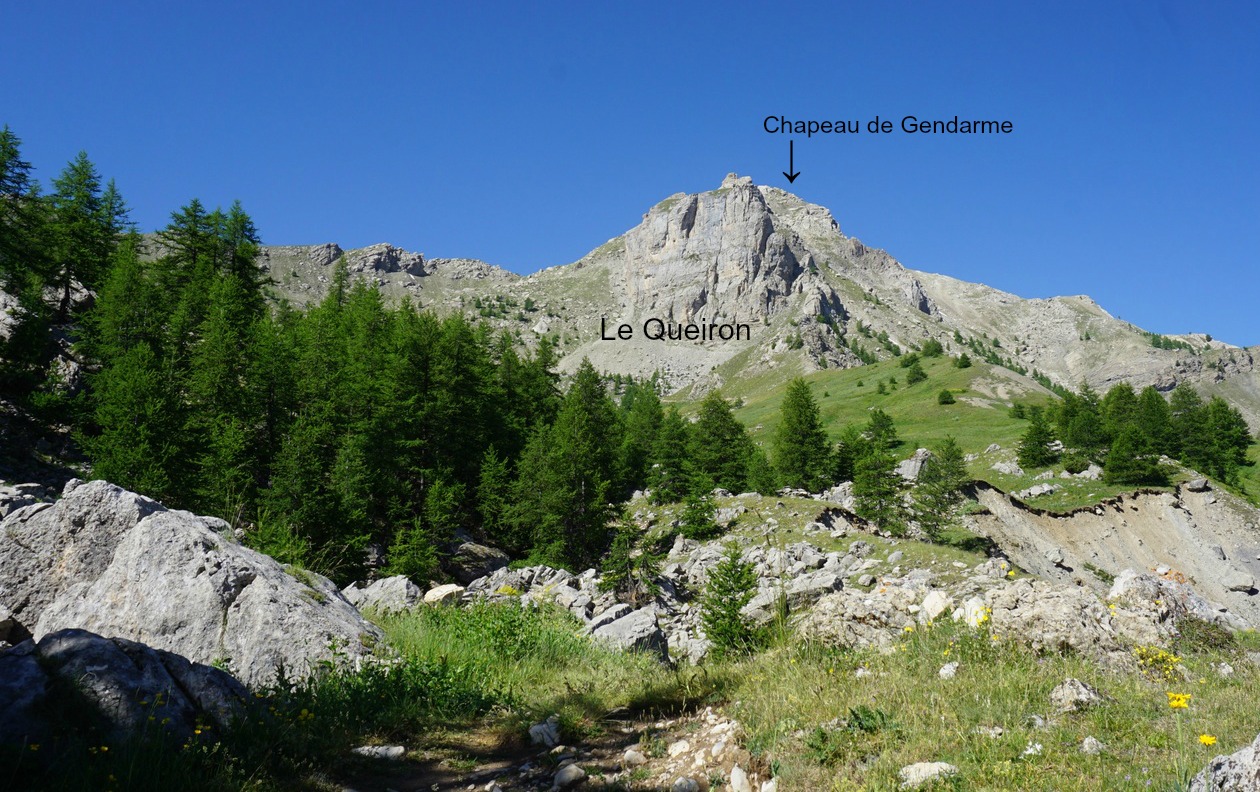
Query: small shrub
(1075,462)
(1197,635)
(731,585)
(945,397)
(697,521)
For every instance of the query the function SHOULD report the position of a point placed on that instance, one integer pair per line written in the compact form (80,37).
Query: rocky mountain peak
(712,255)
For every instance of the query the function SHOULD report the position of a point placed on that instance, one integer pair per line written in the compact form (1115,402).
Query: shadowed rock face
(121,565)
(71,678)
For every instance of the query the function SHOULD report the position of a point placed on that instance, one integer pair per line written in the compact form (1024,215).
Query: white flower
(1033,749)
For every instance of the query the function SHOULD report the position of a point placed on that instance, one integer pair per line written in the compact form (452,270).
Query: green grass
(786,694)
(920,420)
(488,671)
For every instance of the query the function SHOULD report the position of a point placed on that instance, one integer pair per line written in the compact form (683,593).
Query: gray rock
(1237,772)
(1198,485)
(390,595)
(1073,695)
(1091,746)
(739,780)
(633,758)
(23,697)
(471,561)
(609,616)
(895,556)
(546,733)
(684,784)
(447,592)
(636,631)
(1009,468)
(796,594)
(137,691)
(909,469)
(1238,580)
(121,565)
(393,753)
(569,775)
(948,671)
(921,773)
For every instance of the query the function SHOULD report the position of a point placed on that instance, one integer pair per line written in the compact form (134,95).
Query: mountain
(798,294)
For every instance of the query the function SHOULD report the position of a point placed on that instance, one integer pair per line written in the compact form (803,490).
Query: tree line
(1127,433)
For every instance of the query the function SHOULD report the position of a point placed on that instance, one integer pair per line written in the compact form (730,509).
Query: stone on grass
(1073,695)
(921,773)
(569,775)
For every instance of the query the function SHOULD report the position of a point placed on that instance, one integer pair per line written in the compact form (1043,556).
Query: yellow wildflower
(1179,700)
(1207,739)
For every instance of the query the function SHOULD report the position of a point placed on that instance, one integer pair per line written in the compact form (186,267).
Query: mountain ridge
(811,295)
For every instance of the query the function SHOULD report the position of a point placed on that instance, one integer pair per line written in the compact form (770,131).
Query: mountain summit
(811,298)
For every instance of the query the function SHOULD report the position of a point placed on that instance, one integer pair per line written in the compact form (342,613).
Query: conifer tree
(731,585)
(1130,460)
(877,490)
(82,235)
(641,414)
(1191,427)
(1035,445)
(938,492)
(568,481)
(720,445)
(801,456)
(1154,421)
(852,446)
(670,476)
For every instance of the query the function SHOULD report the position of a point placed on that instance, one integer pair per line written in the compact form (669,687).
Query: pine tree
(83,236)
(139,417)
(1191,427)
(1130,462)
(20,216)
(877,492)
(1154,421)
(697,521)
(852,446)
(629,572)
(801,456)
(881,432)
(720,445)
(1230,439)
(1119,409)
(569,481)
(731,585)
(641,414)
(938,492)
(761,475)
(1035,445)
(670,476)
(915,374)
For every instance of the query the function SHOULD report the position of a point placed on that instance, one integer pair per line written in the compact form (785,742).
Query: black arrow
(791,173)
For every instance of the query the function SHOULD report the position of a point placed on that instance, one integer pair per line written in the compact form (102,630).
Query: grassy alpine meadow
(828,726)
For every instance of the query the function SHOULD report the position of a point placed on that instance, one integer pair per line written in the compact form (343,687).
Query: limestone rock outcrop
(123,566)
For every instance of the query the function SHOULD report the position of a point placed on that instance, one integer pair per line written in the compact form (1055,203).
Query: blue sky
(527,134)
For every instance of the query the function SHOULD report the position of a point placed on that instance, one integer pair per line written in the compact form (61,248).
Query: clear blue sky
(527,137)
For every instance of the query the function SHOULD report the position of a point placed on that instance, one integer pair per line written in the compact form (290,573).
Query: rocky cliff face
(712,256)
